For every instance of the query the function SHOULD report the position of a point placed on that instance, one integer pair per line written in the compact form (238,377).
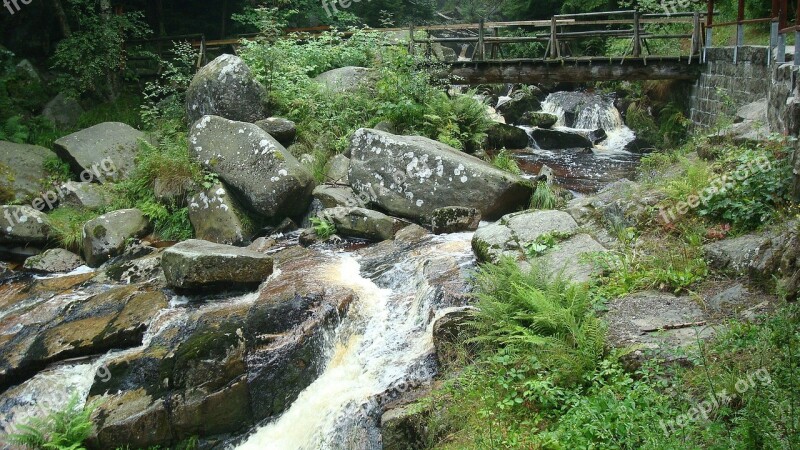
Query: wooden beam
(574,70)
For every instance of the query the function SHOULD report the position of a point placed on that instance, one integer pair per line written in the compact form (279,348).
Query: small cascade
(385,341)
(585,112)
(503,99)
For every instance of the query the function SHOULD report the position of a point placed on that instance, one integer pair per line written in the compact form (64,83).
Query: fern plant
(13,130)
(535,314)
(66,429)
(322,227)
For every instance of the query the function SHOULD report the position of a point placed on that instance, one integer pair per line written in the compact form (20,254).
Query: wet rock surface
(197,264)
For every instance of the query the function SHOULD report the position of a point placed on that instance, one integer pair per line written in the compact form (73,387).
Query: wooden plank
(573,70)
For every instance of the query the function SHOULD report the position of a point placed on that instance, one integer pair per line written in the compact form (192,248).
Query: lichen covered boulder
(226,87)
(107,236)
(24,169)
(362,223)
(260,171)
(411,177)
(197,264)
(216,217)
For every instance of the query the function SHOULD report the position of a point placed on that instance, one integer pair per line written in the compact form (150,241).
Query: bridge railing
(559,33)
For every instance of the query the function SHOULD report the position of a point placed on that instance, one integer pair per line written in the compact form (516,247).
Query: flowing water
(385,342)
(579,171)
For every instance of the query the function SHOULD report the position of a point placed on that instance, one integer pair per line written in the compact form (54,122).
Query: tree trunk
(224,19)
(63,23)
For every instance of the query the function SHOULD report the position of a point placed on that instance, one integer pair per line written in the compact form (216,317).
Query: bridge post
(781,56)
(481,37)
(555,52)
(709,29)
(697,38)
(637,37)
(411,39)
(739,32)
(797,36)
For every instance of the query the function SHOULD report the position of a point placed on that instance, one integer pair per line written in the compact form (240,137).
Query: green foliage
(460,121)
(547,320)
(57,170)
(322,227)
(165,98)
(504,161)
(66,429)
(758,185)
(170,163)
(90,59)
(67,225)
(13,130)
(544,197)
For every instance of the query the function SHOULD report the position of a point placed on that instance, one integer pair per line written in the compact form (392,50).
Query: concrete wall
(724,87)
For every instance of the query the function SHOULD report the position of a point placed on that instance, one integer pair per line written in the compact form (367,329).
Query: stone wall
(723,87)
(783,111)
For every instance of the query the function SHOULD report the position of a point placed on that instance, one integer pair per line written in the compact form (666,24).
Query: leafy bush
(165,98)
(759,185)
(62,430)
(322,227)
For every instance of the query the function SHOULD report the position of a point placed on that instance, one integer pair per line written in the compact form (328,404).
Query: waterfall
(583,112)
(384,342)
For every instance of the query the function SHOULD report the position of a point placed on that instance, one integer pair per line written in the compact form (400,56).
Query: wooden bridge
(560,49)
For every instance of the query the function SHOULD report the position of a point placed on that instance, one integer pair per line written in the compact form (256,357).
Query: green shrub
(14,130)
(61,430)
(544,197)
(322,227)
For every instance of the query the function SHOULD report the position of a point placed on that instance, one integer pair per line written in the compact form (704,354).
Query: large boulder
(500,135)
(344,79)
(510,235)
(217,217)
(333,196)
(55,260)
(283,130)
(23,225)
(63,111)
(362,223)
(454,219)
(24,168)
(520,103)
(196,264)
(104,152)
(266,177)
(337,168)
(542,119)
(411,176)
(226,87)
(84,195)
(559,140)
(107,236)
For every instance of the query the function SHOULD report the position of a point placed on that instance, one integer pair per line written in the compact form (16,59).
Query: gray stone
(84,195)
(104,152)
(386,126)
(567,258)
(736,254)
(283,130)
(362,223)
(337,169)
(344,79)
(512,232)
(63,111)
(197,264)
(454,219)
(216,217)
(500,135)
(23,225)
(28,70)
(755,111)
(450,331)
(559,140)
(107,236)
(227,88)
(333,196)
(411,176)
(55,260)
(515,108)
(542,119)
(261,172)
(26,166)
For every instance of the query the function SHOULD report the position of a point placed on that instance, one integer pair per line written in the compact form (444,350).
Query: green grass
(504,161)
(544,197)
(67,224)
